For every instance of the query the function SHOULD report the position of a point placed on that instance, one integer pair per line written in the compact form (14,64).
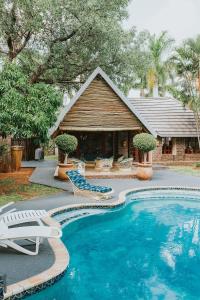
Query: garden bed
(16,186)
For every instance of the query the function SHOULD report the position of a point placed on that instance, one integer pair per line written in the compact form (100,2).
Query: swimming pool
(147,249)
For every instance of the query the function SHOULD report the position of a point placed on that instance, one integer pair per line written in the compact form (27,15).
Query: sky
(179,17)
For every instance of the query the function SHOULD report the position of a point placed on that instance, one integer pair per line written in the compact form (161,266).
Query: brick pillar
(180,148)
(157,153)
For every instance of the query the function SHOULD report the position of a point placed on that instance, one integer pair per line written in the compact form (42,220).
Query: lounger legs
(21,249)
(94,195)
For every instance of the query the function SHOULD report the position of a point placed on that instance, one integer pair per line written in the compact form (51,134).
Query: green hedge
(144,142)
(66,143)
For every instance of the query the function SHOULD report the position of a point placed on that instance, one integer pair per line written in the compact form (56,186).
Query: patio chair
(79,164)
(82,187)
(124,163)
(104,164)
(12,217)
(34,234)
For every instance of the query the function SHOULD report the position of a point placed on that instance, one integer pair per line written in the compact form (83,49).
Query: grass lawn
(189,170)
(16,187)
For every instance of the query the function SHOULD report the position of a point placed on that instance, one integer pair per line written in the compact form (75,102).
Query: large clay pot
(144,171)
(63,168)
(16,157)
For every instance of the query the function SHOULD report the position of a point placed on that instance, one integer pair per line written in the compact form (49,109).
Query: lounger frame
(91,194)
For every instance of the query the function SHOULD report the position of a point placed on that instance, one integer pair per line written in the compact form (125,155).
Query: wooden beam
(99,129)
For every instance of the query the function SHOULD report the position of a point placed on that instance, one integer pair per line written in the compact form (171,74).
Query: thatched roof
(98,71)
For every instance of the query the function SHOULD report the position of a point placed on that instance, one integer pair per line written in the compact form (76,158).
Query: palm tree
(140,61)
(158,72)
(187,85)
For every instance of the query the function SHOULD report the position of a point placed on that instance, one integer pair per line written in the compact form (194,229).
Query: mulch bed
(13,182)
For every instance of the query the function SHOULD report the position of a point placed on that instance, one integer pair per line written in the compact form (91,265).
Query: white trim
(99,71)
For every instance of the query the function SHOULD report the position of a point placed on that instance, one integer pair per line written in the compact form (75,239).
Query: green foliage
(197,165)
(149,59)
(144,142)
(159,47)
(186,87)
(66,143)
(58,43)
(140,60)
(186,61)
(3,149)
(26,110)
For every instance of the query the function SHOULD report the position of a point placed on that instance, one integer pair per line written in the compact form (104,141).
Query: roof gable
(99,71)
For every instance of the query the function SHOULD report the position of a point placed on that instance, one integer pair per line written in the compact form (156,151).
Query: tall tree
(157,74)
(140,61)
(187,82)
(27,110)
(63,41)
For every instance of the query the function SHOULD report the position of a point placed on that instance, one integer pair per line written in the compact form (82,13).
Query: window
(167,145)
(191,145)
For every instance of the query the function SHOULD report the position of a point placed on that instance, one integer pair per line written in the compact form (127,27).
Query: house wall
(180,153)
(100,109)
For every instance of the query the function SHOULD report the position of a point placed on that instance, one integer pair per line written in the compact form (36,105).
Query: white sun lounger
(24,216)
(13,217)
(10,236)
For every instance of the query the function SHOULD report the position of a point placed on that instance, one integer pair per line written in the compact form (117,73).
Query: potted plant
(66,143)
(145,143)
(16,157)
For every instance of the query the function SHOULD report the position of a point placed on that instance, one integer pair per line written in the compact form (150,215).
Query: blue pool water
(145,250)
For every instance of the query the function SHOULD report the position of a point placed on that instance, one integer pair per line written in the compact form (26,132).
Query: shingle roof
(166,116)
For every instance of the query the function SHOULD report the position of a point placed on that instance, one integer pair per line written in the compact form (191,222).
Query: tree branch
(63,39)
(43,67)
(23,45)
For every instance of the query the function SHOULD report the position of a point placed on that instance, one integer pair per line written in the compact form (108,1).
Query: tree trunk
(145,157)
(66,157)
(196,116)
(142,92)
(155,91)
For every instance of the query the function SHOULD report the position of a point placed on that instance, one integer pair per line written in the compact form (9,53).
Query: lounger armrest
(6,205)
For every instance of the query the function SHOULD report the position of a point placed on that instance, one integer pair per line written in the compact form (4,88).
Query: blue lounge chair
(81,186)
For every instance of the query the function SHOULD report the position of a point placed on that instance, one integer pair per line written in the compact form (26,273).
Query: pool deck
(18,267)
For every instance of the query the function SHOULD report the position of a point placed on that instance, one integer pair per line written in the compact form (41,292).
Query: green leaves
(186,61)
(66,143)
(27,110)
(60,43)
(145,142)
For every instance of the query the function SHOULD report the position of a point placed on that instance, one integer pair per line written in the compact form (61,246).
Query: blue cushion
(80,182)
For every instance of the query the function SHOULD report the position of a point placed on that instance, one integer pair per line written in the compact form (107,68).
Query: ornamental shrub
(144,142)
(66,143)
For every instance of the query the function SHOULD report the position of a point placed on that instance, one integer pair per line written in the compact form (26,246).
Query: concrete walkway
(18,266)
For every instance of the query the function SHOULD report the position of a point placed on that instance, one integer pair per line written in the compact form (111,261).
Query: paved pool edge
(56,271)
(40,281)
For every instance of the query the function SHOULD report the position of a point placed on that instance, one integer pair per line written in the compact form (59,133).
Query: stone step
(69,216)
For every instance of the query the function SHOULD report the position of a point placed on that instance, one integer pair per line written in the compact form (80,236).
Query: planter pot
(63,168)
(16,157)
(144,171)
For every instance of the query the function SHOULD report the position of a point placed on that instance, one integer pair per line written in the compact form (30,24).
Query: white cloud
(179,17)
